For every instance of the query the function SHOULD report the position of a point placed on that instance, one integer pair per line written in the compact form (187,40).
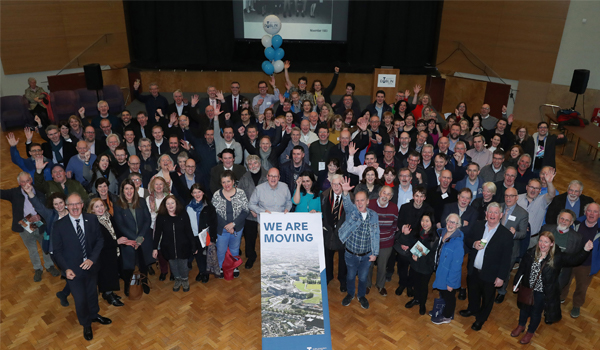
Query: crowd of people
(401,187)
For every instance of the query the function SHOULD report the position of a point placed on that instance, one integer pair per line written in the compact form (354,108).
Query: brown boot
(517,331)
(527,338)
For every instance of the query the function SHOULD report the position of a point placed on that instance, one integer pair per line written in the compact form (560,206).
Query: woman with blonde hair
(538,271)
(337,125)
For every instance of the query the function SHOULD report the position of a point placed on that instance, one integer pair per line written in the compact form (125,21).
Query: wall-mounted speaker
(579,81)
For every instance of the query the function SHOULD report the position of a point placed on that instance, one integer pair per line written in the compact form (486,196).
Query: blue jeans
(357,265)
(228,240)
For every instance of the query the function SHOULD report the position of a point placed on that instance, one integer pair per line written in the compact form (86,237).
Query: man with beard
(292,169)
(255,176)
(147,159)
(542,147)
(454,136)
(404,149)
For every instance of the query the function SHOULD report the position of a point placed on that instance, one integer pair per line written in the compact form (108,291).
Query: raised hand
(185,145)
(28,188)
(346,185)
(195,100)
(406,93)
(220,96)
(549,175)
(81,112)
(362,123)
(286,65)
(299,182)
(260,101)
(504,109)
(281,98)
(272,81)
(589,245)
(159,112)
(261,117)
(28,134)
(417,89)
(510,119)
(241,130)
(173,119)
(336,69)
(37,119)
(351,149)
(419,177)
(406,229)
(87,155)
(40,164)
(455,111)
(136,84)
(227,116)
(69,174)
(12,141)
(287,86)
(378,138)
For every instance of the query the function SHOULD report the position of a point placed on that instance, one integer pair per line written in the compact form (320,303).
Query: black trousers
(200,260)
(250,235)
(84,290)
(405,278)
(421,286)
(481,296)
(342,269)
(450,299)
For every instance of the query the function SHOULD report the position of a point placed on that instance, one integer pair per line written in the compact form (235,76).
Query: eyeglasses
(535,188)
(511,195)
(74,204)
(452,222)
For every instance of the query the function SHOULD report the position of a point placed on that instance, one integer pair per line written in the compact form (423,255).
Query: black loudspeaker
(93,76)
(579,81)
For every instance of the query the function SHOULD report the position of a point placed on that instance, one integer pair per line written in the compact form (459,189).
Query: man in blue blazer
(468,214)
(77,244)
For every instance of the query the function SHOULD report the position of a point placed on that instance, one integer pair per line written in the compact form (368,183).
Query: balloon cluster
(272,42)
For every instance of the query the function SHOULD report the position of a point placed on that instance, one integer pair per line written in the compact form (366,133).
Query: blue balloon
(276,41)
(279,54)
(267,67)
(269,53)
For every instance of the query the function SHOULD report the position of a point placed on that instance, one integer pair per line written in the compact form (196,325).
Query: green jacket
(49,187)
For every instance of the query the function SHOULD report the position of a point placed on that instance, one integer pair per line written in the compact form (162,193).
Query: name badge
(512,218)
(321,166)
(445,195)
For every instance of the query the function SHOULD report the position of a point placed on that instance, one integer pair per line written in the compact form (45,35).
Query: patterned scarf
(105,221)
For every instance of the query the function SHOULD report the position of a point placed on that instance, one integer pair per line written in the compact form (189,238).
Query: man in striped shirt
(387,212)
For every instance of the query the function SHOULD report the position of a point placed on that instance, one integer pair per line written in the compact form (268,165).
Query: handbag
(438,308)
(525,296)
(136,283)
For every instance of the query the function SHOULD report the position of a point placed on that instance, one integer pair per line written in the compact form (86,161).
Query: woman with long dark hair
(202,216)
(133,218)
(101,185)
(422,267)
(539,270)
(306,197)
(101,169)
(461,112)
(370,183)
(325,176)
(173,232)
(512,156)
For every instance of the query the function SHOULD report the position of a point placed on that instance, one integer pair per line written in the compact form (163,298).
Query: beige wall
(45,35)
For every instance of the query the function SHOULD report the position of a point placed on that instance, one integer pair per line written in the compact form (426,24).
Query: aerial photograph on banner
(292,304)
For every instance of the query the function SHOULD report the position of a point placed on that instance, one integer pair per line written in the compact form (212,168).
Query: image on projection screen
(300,19)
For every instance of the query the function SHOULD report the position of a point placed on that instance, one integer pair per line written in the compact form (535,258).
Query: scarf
(105,221)
(264,156)
(56,150)
(196,206)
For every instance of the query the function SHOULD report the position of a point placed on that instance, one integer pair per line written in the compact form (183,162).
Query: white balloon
(266,40)
(278,66)
(272,24)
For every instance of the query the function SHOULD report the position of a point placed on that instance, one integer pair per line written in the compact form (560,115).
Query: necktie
(235,105)
(505,218)
(336,211)
(81,237)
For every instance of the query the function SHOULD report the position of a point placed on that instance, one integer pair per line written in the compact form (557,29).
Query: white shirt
(487,235)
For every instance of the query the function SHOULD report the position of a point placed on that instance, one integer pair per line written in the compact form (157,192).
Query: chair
(64,104)
(88,100)
(15,112)
(114,97)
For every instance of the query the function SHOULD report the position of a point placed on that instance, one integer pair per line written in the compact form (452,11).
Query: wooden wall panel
(519,40)
(471,92)
(46,35)
(435,89)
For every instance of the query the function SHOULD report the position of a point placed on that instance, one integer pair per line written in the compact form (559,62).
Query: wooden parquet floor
(226,315)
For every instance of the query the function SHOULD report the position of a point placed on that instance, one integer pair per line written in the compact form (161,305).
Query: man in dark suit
(134,166)
(468,214)
(573,199)
(189,176)
(160,145)
(208,154)
(227,158)
(214,98)
(178,107)
(549,142)
(490,247)
(58,150)
(233,102)
(510,175)
(515,219)
(334,216)
(441,195)
(378,107)
(77,245)
(144,129)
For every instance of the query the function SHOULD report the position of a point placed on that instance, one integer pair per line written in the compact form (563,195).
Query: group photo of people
(461,205)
